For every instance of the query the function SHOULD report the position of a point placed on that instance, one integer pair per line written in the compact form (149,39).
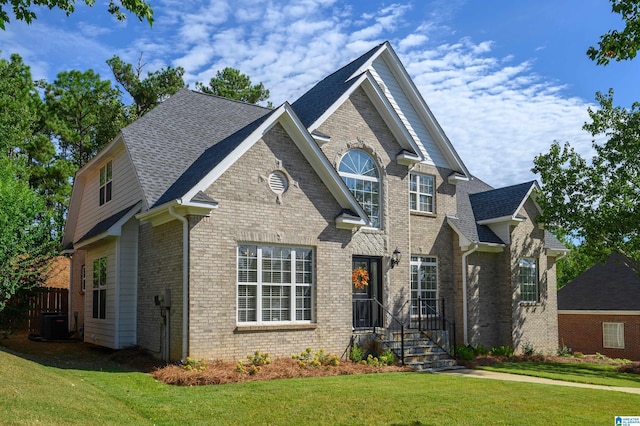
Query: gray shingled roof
(477,200)
(310,106)
(165,143)
(499,202)
(610,286)
(104,225)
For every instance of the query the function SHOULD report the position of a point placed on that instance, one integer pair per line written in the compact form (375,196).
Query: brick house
(214,228)
(599,311)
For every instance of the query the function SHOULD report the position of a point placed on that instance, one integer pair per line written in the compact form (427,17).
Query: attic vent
(278,182)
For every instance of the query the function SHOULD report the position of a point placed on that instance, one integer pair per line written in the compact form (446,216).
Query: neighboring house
(213,228)
(599,311)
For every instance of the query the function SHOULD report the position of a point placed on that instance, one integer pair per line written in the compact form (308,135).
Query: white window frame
(360,192)
(613,335)
(421,262)
(253,284)
(99,288)
(105,191)
(416,195)
(83,278)
(526,264)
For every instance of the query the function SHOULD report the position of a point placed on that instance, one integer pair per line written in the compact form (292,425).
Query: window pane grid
(528,280)
(281,284)
(424,285)
(360,173)
(421,193)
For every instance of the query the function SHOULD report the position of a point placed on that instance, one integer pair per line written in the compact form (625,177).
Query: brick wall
(583,333)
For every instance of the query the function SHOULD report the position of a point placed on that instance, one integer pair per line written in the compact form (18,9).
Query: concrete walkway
(483,374)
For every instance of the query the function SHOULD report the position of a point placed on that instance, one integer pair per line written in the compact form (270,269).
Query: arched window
(360,173)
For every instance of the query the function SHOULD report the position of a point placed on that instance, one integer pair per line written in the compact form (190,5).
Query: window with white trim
(100,288)
(424,285)
(528,277)
(359,171)
(613,335)
(275,284)
(421,193)
(106,176)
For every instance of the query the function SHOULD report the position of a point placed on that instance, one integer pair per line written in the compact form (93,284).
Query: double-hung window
(83,278)
(106,176)
(421,193)
(613,335)
(424,285)
(528,276)
(100,288)
(275,284)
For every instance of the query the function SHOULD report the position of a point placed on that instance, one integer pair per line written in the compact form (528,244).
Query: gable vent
(278,182)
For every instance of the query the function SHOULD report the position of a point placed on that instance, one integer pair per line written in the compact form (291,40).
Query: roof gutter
(465,319)
(185,281)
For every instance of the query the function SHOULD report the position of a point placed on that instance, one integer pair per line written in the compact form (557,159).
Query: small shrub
(480,349)
(387,357)
(465,353)
(192,364)
(600,356)
(356,354)
(578,354)
(306,359)
(527,349)
(564,350)
(504,350)
(258,359)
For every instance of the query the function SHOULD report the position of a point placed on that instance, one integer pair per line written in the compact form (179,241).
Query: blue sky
(504,78)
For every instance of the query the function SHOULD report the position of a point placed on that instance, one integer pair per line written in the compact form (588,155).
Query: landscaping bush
(504,350)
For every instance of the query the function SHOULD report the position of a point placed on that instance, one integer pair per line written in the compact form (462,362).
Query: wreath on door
(360,278)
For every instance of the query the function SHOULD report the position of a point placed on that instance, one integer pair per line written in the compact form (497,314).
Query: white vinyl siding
(101,331)
(408,114)
(126,192)
(613,335)
(127,284)
(274,284)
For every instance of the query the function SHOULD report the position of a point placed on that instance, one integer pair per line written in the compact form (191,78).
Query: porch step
(423,351)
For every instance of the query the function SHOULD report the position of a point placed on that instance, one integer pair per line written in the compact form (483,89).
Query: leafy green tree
(23,10)
(83,114)
(150,91)
(619,45)
(230,83)
(25,236)
(597,202)
(19,102)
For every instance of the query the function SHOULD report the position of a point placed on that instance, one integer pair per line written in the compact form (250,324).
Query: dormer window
(360,173)
(106,175)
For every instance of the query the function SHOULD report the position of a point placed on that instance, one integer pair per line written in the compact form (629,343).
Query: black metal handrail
(375,322)
(434,320)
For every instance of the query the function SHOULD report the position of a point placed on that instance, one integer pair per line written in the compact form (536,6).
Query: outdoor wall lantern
(395,257)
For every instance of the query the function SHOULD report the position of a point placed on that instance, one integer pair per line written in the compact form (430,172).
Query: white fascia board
(462,240)
(349,222)
(413,94)
(114,230)
(389,114)
(557,252)
(160,215)
(500,220)
(534,186)
(312,152)
(455,179)
(407,159)
(342,99)
(367,65)
(305,143)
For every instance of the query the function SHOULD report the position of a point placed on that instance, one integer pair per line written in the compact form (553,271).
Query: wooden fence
(46,300)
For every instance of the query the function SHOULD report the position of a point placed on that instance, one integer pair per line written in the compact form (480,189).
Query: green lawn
(597,374)
(31,393)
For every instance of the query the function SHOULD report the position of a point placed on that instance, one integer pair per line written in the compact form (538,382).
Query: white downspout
(185,282)
(465,319)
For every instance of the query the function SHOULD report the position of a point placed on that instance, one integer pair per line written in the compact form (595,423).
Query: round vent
(278,182)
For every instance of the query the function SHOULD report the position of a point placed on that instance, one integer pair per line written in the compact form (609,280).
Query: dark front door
(367,313)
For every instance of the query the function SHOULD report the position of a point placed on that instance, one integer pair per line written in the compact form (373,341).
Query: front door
(367,312)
